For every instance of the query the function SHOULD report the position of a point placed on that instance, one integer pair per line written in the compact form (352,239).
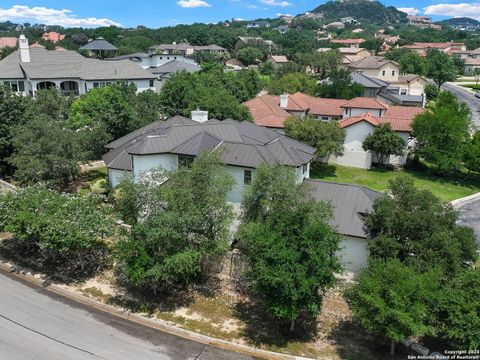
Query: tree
(384,142)
(413,226)
(292,83)
(326,137)
(459,311)
(476,75)
(65,230)
(12,109)
(373,44)
(186,221)
(391,300)
(340,86)
(440,67)
(319,63)
(471,156)
(441,133)
(431,92)
(249,55)
(291,248)
(413,63)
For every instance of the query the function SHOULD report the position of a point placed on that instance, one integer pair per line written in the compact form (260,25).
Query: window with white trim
(15,85)
(247,177)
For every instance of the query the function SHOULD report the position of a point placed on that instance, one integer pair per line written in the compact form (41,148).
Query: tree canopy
(384,142)
(340,86)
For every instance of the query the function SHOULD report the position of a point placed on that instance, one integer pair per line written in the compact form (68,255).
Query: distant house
(278,60)
(257,24)
(30,69)
(353,43)
(335,25)
(389,71)
(323,35)
(312,15)
(450,48)
(241,146)
(165,71)
(53,36)
(358,31)
(350,204)
(244,41)
(471,65)
(349,54)
(282,29)
(8,42)
(185,49)
(349,20)
(359,117)
(99,47)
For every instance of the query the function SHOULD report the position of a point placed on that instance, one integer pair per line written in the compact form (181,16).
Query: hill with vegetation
(361,10)
(459,21)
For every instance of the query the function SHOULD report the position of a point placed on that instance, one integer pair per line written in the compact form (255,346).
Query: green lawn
(447,189)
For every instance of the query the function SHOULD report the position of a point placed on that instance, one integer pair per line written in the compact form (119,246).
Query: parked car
(477,95)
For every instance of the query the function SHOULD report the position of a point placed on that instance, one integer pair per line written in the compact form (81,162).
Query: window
(383,73)
(247,177)
(325,118)
(185,160)
(305,168)
(393,72)
(15,85)
(151,83)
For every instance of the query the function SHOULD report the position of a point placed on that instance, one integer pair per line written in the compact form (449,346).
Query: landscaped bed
(446,188)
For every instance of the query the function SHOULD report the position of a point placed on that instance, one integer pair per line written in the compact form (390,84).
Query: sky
(159,13)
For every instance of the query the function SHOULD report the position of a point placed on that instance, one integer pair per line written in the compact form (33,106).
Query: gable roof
(349,204)
(371,62)
(174,66)
(238,143)
(280,59)
(99,44)
(368,81)
(55,64)
(365,103)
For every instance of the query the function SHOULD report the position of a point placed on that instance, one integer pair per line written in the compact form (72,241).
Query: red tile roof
(347,41)
(8,42)
(266,110)
(365,103)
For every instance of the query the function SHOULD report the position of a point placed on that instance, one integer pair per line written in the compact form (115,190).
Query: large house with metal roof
(32,68)
(359,117)
(242,147)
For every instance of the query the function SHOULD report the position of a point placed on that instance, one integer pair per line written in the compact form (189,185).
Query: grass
(447,189)
(471,86)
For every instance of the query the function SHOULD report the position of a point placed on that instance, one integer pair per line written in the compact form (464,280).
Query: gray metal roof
(368,81)
(349,204)
(186,46)
(99,44)
(238,143)
(402,99)
(53,64)
(138,55)
(174,66)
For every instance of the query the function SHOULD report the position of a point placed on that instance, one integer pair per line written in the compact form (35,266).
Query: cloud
(409,10)
(456,10)
(193,3)
(50,16)
(276,3)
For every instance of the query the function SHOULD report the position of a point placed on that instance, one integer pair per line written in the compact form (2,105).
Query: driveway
(470,215)
(467,97)
(36,324)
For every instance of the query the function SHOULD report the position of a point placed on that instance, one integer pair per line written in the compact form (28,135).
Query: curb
(458,202)
(154,324)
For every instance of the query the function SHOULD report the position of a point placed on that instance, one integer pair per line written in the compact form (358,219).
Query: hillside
(361,10)
(459,21)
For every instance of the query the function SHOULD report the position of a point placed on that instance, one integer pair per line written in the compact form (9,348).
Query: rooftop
(99,44)
(238,143)
(371,62)
(8,42)
(347,41)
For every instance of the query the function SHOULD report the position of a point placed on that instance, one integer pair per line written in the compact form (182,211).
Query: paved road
(35,324)
(468,97)
(470,216)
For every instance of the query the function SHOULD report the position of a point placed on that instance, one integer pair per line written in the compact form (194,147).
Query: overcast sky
(157,13)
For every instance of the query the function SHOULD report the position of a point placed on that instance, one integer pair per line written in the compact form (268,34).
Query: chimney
(284,101)
(24,49)
(200,116)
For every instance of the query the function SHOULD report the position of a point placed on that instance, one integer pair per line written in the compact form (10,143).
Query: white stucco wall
(116,176)
(143,164)
(391,72)
(236,194)
(353,253)
(348,112)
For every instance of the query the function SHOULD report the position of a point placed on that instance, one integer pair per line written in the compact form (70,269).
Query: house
(353,43)
(349,54)
(257,24)
(282,29)
(450,48)
(359,117)
(350,204)
(323,35)
(389,39)
(185,49)
(99,47)
(241,146)
(335,25)
(243,41)
(416,19)
(53,36)
(165,71)
(386,92)
(312,15)
(278,60)
(389,71)
(8,42)
(287,19)
(349,21)
(358,31)
(471,65)
(29,69)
